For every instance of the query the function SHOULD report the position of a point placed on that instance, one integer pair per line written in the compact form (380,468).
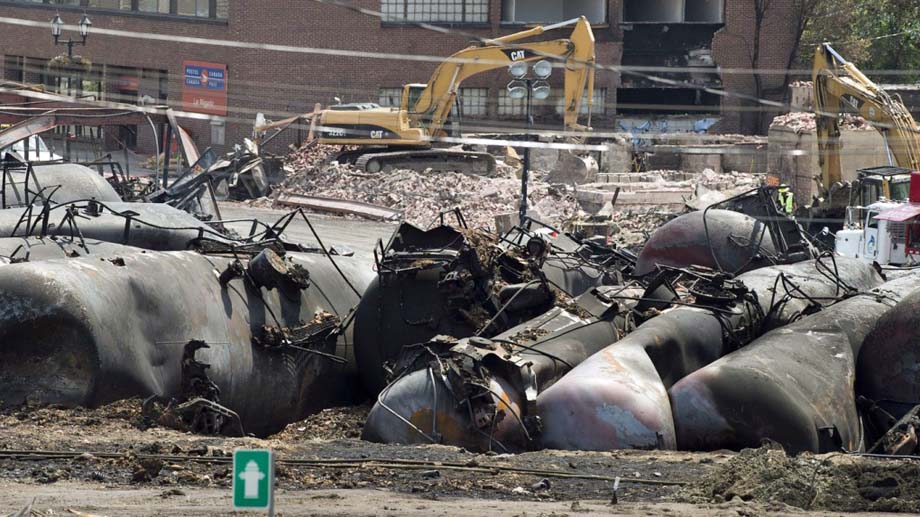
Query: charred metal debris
(224,310)
(729,327)
(578,345)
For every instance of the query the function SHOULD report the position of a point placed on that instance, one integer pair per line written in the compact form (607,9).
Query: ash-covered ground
(325,469)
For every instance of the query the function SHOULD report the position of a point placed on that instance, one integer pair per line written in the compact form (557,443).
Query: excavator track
(439,160)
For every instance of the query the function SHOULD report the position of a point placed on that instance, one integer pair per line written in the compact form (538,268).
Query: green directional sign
(253,478)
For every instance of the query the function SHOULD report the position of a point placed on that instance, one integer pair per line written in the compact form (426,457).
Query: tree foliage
(882,37)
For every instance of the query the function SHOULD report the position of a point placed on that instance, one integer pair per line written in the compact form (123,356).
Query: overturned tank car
(462,282)
(794,385)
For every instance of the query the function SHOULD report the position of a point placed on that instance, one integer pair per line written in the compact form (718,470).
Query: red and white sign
(204,89)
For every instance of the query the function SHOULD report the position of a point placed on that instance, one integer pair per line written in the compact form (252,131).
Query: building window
(390,97)
(199,8)
(219,9)
(551,11)
(218,131)
(153,6)
(435,11)
(14,68)
(473,101)
(510,107)
(672,11)
(597,103)
(124,5)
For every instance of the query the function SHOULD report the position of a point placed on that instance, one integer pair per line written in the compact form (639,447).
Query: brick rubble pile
(804,122)
(420,196)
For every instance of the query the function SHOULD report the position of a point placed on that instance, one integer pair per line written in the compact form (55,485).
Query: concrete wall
(794,157)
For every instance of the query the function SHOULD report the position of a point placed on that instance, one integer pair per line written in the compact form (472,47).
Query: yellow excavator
(840,88)
(408,136)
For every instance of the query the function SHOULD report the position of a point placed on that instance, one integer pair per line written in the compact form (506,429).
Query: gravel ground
(111,450)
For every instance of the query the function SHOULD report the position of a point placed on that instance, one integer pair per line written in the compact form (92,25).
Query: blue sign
(197,76)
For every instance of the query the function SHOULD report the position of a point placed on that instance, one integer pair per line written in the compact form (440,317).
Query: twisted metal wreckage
(728,328)
(102,300)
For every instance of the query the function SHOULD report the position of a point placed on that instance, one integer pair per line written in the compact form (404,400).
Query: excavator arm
(576,52)
(840,86)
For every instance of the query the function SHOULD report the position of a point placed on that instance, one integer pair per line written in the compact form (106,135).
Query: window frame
(384,22)
(480,94)
(134,11)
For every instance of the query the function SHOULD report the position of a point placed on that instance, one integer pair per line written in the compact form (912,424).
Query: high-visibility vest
(785,200)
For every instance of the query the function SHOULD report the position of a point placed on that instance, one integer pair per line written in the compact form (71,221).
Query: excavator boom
(391,135)
(839,87)
(575,54)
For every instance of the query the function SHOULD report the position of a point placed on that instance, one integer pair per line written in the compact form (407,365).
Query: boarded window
(153,6)
(111,4)
(223,9)
(200,8)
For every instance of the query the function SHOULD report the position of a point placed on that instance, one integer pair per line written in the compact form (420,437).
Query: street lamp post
(524,87)
(57,26)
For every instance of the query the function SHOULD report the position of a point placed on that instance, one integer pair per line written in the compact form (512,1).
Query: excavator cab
(410,96)
(886,182)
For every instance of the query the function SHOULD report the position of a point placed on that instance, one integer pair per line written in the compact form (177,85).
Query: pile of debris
(421,196)
(824,482)
(803,122)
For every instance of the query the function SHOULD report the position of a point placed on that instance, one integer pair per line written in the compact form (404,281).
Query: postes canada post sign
(204,89)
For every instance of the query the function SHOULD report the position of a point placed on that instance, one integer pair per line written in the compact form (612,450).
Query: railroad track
(336,463)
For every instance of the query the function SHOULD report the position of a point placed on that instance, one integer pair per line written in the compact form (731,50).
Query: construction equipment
(885,232)
(405,136)
(840,88)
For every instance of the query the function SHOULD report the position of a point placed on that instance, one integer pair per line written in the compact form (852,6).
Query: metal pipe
(154,227)
(617,398)
(793,385)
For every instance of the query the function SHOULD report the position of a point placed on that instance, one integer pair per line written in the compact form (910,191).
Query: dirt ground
(107,462)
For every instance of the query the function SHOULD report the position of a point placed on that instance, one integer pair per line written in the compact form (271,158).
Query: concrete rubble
(421,196)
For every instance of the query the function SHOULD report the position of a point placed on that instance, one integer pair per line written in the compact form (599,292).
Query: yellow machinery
(404,136)
(841,88)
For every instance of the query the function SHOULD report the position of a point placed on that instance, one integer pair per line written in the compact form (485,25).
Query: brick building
(701,37)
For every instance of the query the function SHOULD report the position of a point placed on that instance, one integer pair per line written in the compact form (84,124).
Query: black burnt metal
(444,281)
(617,398)
(717,239)
(886,371)
(59,342)
(793,385)
(481,393)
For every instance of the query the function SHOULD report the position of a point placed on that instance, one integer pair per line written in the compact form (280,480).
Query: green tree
(882,37)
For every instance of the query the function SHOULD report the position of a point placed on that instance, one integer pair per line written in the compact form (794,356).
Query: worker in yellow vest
(785,199)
